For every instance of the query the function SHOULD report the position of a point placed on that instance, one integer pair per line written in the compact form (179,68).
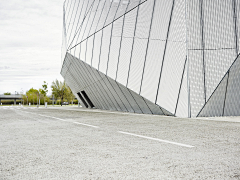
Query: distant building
(167,57)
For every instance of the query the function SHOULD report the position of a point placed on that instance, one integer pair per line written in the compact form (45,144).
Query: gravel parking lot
(76,143)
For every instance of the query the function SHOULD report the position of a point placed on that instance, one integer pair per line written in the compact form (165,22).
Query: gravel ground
(73,143)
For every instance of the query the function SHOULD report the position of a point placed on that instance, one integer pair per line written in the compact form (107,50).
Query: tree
(59,89)
(69,95)
(44,90)
(32,95)
(7,93)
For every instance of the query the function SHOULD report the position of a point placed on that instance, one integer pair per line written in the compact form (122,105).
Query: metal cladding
(168,57)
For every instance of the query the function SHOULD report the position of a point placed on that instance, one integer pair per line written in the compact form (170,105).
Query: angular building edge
(96,90)
(225,100)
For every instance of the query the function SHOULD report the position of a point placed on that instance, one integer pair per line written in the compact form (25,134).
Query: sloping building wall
(225,100)
(172,53)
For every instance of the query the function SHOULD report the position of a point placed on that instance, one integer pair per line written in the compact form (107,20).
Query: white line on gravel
(51,117)
(62,119)
(156,139)
(86,124)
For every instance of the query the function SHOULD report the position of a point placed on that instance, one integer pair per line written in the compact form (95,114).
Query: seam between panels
(150,28)
(134,99)
(83,35)
(169,25)
(102,80)
(70,59)
(75,18)
(116,93)
(161,109)
(108,24)
(69,9)
(235,24)
(76,93)
(86,28)
(135,27)
(86,80)
(131,54)
(96,84)
(71,76)
(102,36)
(180,88)
(110,93)
(124,96)
(108,60)
(225,94)
(95,32)
(71,15)
(146,104)
(99,64)
(95,102)
(90,31)
(203,46)
(119,59)
(66,4)
(111,38)
(121,41)
(79,29)
(187,55)
(219,83)
(64,61)
(100,60)
(78,23)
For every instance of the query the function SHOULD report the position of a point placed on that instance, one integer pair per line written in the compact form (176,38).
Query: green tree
(32,95)
(59,90)
(44,91)
(69,95)
(7,93)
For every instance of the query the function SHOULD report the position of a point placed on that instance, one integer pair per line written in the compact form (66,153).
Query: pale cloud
(30,43)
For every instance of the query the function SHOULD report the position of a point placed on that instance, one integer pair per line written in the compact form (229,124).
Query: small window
(82,99)
(87,99)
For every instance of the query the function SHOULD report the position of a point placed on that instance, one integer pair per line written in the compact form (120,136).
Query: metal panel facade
(169,57)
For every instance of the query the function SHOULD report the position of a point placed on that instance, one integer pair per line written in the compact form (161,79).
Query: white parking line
(156,139)
(51,117)
(86,124)
(61,119)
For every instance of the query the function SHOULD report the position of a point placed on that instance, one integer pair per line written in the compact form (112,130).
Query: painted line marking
(63,119)
(156,139)
(52,117)
(86,124)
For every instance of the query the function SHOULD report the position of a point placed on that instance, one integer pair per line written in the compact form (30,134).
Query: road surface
(77,143)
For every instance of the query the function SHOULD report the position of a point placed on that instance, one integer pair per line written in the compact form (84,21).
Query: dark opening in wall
(87,99)
(82,99)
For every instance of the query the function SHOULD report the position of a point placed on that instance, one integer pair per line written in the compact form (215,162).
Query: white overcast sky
(30,43)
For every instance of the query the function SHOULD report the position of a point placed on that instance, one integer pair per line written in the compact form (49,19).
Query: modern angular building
(167,57)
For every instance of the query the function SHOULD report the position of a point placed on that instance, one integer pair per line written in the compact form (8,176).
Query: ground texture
(74,143)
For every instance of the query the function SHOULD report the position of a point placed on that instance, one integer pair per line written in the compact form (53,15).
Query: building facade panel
(153,57)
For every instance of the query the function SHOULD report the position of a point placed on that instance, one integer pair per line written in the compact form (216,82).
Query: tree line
(61,92)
